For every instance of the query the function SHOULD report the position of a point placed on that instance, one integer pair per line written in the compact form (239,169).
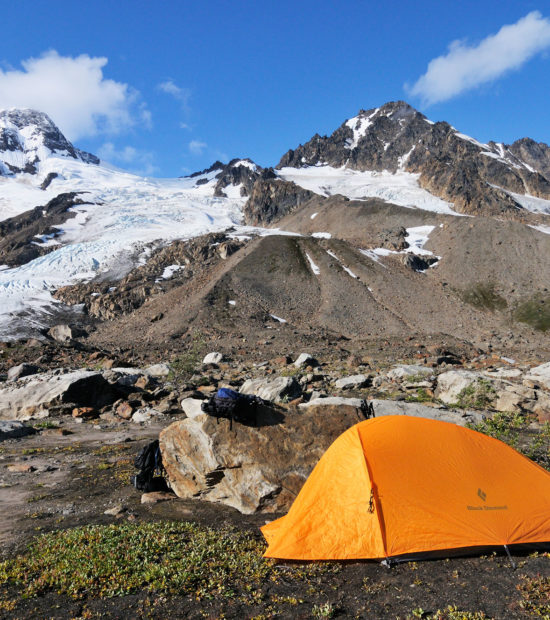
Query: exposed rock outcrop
(253,469)
(272,199)
(241,172)
(21,236)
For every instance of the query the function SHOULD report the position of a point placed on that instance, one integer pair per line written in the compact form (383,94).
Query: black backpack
(367,409)
(227,403)
(149,462)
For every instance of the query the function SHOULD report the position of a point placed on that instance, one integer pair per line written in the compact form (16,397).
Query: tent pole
(511,559)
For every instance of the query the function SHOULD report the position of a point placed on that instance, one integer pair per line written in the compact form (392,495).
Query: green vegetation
(171,558)
(45,424)
(449,613)
(291,371)
(535,312)
(512,428)
(183,366)
(482,295)
(478,395)
(421,396)
(323,611)
(115,560)
(535,595)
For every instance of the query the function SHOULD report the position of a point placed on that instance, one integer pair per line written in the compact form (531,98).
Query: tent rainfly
(396,486)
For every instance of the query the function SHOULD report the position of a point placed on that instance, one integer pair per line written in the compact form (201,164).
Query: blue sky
(165,88)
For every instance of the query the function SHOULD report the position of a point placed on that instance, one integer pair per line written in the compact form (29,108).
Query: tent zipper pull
(371,501)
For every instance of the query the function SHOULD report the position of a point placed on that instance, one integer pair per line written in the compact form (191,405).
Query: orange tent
(398,485)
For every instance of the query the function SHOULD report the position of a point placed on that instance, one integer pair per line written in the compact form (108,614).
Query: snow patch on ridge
(346,269)
(401,188)
(313,266)
(359,126)
(417,237)
(528,202)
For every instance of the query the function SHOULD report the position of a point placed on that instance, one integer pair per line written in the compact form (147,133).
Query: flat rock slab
(156,496)
(405,371)
(540,375)
(251,468)
(23,399)
(353,381)
(417,410)
(332,401)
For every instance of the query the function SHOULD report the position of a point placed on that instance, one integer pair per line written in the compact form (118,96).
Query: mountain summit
(28,137)
(477,178)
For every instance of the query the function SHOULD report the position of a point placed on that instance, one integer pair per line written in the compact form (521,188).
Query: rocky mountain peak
(475,177)
(28,137)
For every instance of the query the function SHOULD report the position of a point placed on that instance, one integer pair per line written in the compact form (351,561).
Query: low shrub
(535,312)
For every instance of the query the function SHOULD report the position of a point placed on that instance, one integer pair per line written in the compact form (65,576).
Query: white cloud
(180,94)
(465,67)
(74,93)
(197,147)
(137,161)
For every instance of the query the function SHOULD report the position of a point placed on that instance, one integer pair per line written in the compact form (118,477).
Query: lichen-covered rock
(251,468)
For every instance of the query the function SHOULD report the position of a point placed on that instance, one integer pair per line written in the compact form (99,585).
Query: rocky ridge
(29,235)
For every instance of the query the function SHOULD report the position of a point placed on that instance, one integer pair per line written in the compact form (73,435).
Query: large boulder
(65,333)
(251,468)
(212,358)
(508,401)
(540,375)
(30,396)
(409,371)
(305,359)
(450,384)
(352,382)
(158,371)
(456,416)
(275,390)
(192,407)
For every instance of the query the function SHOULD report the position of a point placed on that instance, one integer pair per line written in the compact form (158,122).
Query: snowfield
(125,214)
(417,237)
(401,188)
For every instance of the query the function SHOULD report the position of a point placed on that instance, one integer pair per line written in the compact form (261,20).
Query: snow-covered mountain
(479,179)
(28,138)
(378,178)
(122,214)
